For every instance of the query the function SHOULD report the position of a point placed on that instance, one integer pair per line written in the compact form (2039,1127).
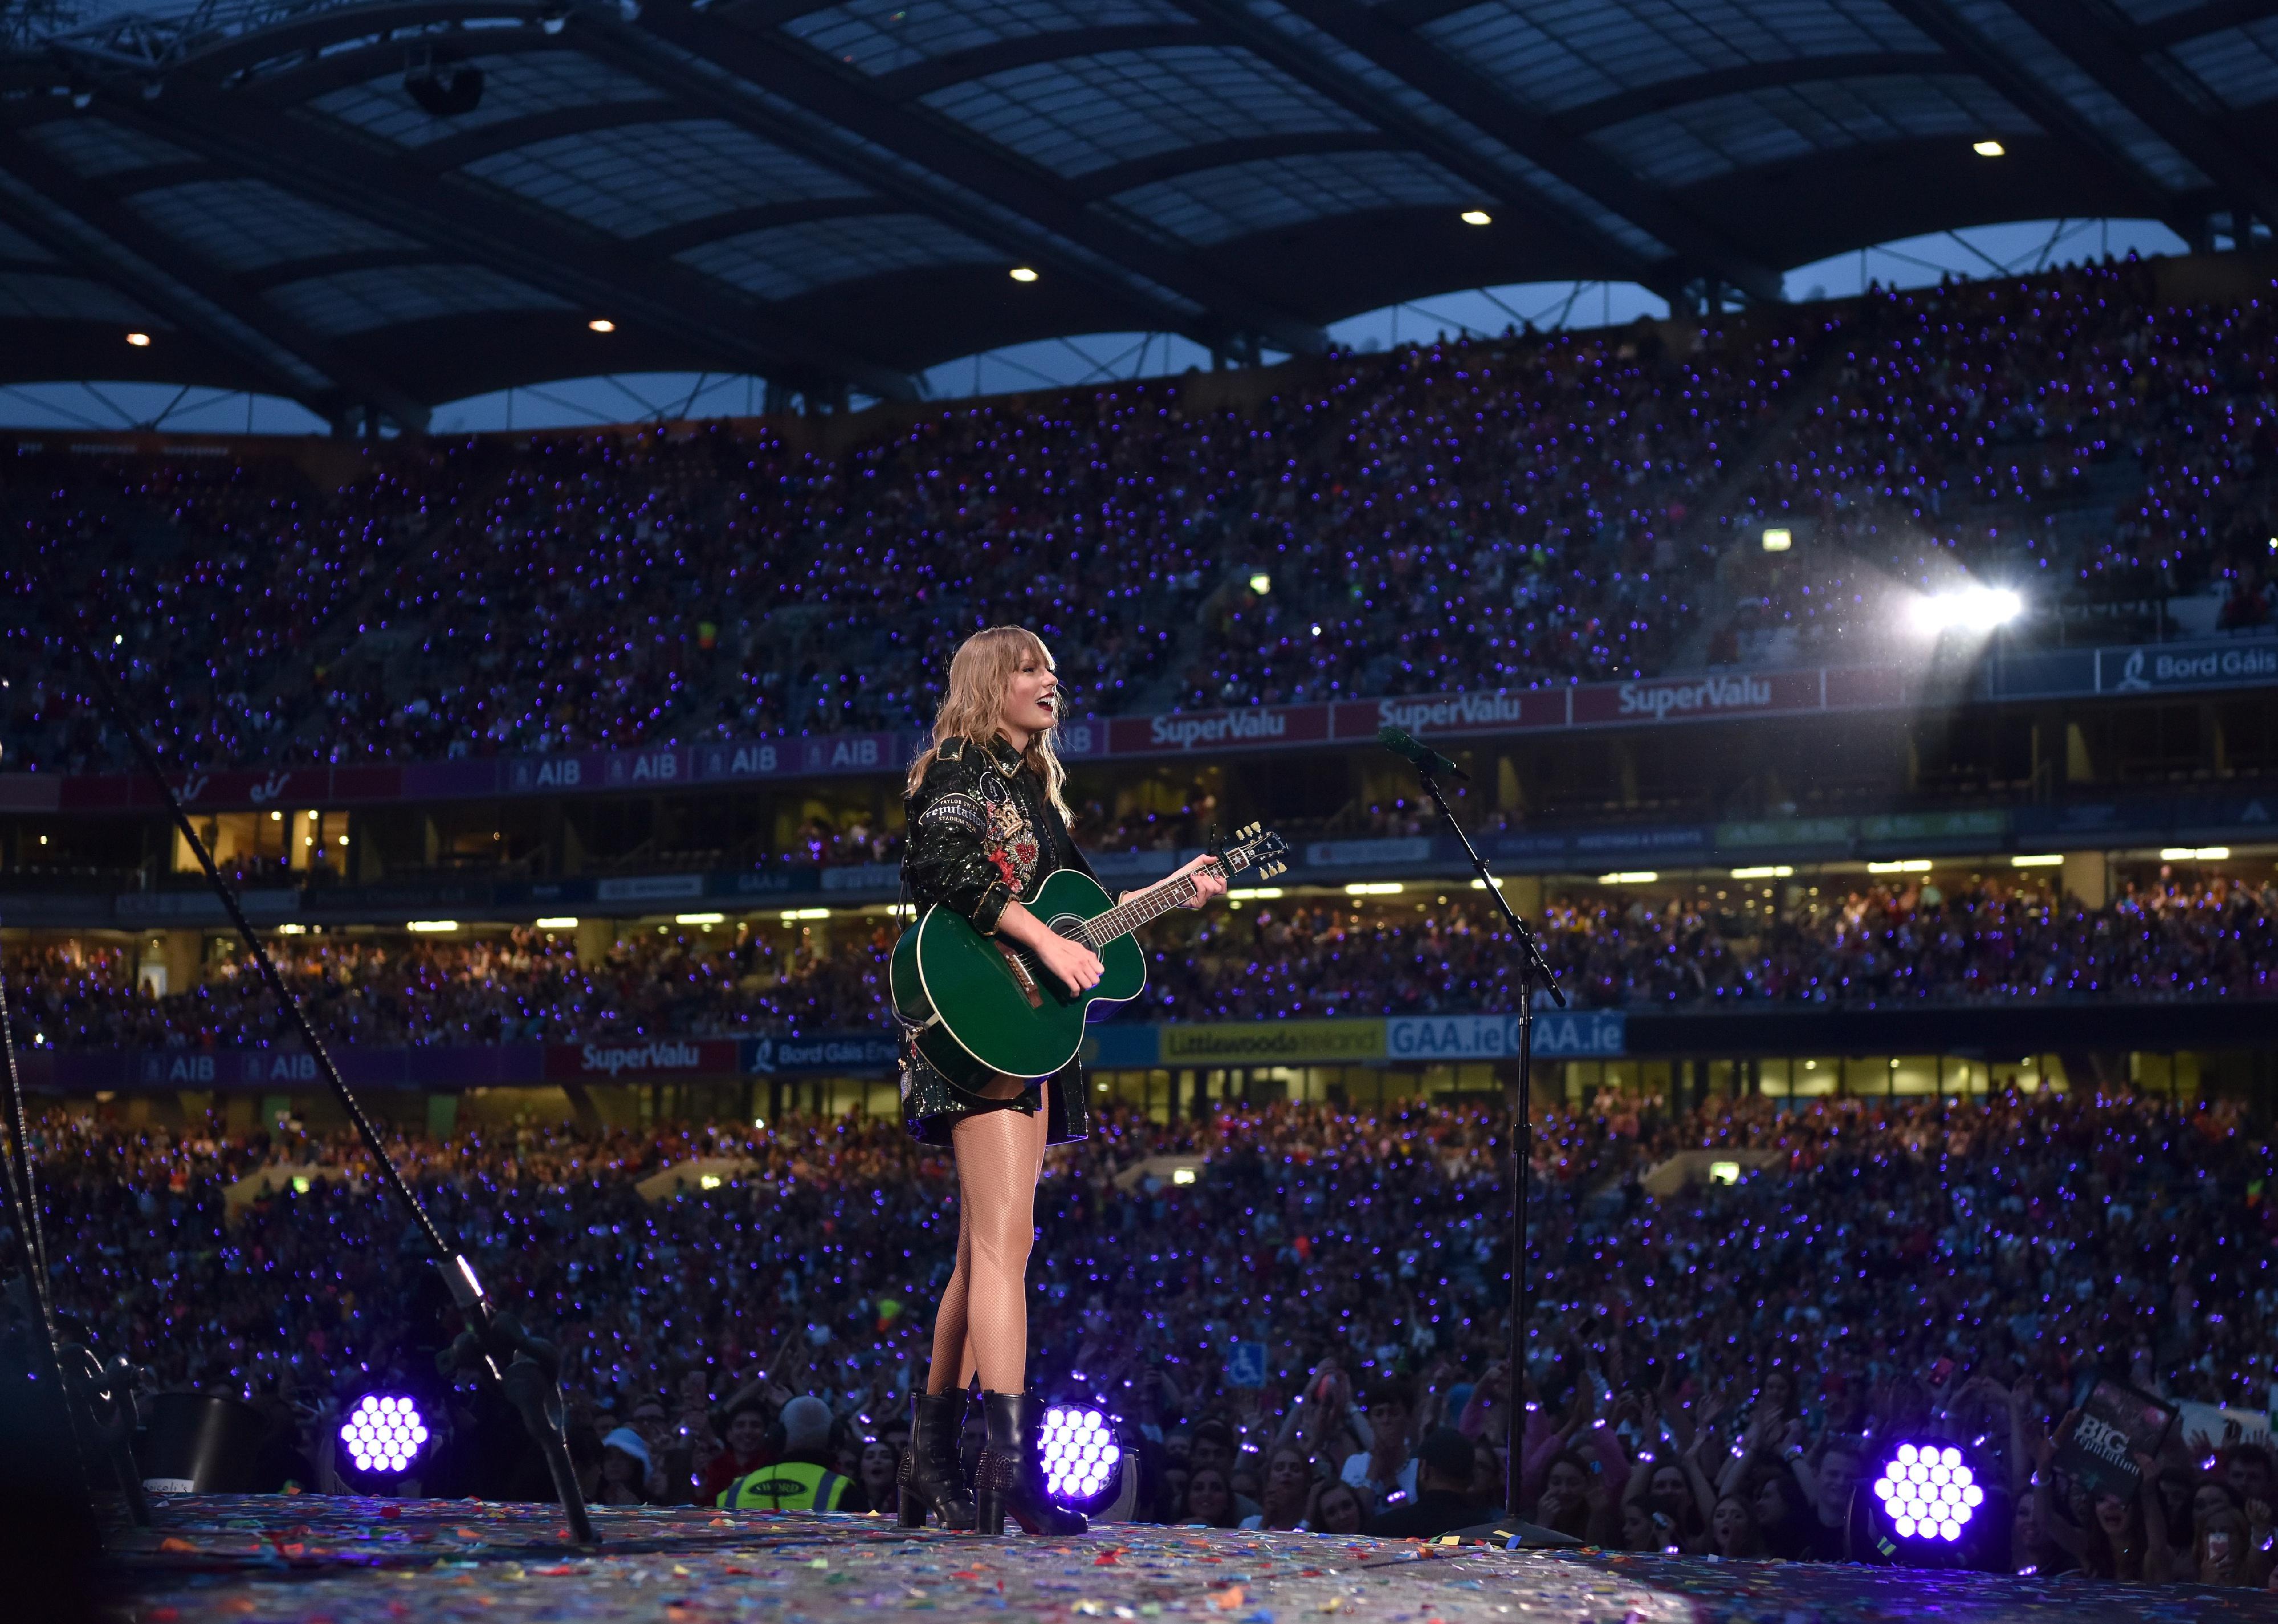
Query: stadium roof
(379,205)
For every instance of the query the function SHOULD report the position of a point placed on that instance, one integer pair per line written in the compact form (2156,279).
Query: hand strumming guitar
(1072,964)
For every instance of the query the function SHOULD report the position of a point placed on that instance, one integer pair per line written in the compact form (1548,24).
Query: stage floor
(246,1560)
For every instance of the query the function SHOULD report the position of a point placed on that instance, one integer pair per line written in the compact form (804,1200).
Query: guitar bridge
(1019,968)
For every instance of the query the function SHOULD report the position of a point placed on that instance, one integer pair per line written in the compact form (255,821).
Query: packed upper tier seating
(1462,515)
(1956,1271)
(1882,946)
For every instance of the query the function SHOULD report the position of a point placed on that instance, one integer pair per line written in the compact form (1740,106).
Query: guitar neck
(1137,910)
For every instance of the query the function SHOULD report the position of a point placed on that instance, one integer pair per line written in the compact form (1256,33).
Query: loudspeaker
(201,1444)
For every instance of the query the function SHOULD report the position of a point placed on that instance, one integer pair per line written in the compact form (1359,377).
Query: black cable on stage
(526,1368)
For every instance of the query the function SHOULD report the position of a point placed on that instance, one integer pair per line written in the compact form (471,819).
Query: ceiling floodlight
(1988,148)
(140,340)
(1478,217)
(601,323)
(1022,273)
(1778,540)
(1969,608)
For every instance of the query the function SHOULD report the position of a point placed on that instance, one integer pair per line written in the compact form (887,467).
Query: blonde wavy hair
(980,674)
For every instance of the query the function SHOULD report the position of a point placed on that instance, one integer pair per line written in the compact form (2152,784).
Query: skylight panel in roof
(514,86)
(2239,67)
(20,249)
(783,261)
(1235,199)
(246,224)
(358,301)
(2065,78)
(1087,112)
(98,147)
(1703,139)
(642,177)
(878,37)
(2151,11)
(28,296)
(1567,53)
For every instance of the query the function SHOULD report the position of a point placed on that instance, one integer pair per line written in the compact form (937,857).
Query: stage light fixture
(1928,1493)
(601,323)
(700,918)
(558,922)
(1988,148)
(2193,854)
(1778,540)
(1969,608)
(140,340)
(2037,859)
(384,1435)
(1080,1457)
(430,927)
(1478,217)
(1021,273)
(1631,876)
(1261,584)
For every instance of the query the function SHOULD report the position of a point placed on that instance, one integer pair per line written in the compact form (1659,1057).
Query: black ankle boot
(1010,1478)
(931,1478)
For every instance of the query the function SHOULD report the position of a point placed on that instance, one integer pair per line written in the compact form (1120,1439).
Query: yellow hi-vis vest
(793,1485)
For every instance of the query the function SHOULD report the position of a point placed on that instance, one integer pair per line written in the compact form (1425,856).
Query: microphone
(1418,754)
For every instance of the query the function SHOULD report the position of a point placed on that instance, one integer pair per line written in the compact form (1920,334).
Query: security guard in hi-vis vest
(799,1481)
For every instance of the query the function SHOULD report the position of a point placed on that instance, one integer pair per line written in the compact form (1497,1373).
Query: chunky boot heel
(1008,1482)
(930,1480)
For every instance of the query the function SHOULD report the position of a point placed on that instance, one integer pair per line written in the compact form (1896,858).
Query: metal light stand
(1531,966)
(528,1371)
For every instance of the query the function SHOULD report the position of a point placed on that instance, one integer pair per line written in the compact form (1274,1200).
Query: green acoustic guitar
(985,1008)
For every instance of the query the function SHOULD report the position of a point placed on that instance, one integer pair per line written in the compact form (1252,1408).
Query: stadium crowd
(1990,940)
(2067,435)
(1718,1369)
(1471,514)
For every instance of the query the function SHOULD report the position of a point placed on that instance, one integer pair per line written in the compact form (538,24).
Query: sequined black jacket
(983,833)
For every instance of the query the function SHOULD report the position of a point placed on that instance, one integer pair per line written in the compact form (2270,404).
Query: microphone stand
(527,1369)
(1531,966)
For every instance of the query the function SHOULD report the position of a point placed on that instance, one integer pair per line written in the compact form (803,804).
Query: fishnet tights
(982,1326)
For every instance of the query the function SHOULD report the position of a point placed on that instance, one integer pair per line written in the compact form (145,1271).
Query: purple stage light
(1928,1493)
(1080,1457)
(383,1434)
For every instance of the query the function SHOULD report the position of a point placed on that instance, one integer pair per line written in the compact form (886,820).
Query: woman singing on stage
(986,823)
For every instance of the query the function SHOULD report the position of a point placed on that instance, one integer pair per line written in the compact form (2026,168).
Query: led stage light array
(1079,1454)
(383,1434)
(1928,1493)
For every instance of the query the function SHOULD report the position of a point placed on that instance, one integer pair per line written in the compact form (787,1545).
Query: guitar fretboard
(1137,910)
